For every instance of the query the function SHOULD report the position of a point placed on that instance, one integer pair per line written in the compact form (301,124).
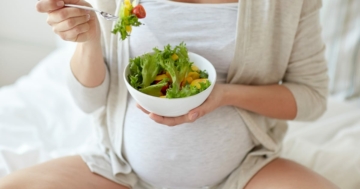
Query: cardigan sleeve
(306,75)
(88,99)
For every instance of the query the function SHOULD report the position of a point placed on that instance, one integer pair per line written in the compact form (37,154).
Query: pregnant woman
(270,65)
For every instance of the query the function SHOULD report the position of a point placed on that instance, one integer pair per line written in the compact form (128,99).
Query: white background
(25,38)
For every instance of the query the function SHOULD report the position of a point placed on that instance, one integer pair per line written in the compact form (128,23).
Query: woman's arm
(273,101)
(307,74)
(88,79)
(303,93)
(87,64)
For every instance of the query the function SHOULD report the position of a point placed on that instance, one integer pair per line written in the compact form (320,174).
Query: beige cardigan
(277,41)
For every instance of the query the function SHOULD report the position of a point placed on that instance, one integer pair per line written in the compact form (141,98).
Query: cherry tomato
(139,11)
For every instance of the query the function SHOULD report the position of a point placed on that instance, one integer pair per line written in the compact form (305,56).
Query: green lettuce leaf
(178,69)
(203,74)
(187,90)
(155,90)
(143,71)
(150,69)
(135,76)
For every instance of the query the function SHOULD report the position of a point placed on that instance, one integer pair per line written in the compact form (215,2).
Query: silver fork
(105,15)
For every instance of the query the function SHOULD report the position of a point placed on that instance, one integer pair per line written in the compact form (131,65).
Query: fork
(105,15)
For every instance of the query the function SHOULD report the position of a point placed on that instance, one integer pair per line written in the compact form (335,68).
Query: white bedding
(39,121)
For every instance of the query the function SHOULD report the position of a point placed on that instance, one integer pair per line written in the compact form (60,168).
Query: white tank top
(205,152)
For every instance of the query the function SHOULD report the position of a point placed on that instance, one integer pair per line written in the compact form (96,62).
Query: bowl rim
(173,99)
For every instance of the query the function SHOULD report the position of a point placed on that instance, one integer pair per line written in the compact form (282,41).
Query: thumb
(198,111)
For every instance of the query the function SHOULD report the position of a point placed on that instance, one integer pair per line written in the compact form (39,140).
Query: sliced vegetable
(174,57)
(128,29)
(127,19)
(155,90)
(197,82)
(195,68)
(160,77)
(189,79)
(194,75)
(139,11)
(168,75)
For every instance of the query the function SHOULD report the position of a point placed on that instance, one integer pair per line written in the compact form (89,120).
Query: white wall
(25,38)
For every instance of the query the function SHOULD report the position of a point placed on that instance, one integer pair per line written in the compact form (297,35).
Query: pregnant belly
(188,156)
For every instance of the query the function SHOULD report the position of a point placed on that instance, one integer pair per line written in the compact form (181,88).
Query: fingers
(70,23)
(74,33)
(142,109)
(171,121)
(200,110)
(49,5)
(207,106)
(64,14)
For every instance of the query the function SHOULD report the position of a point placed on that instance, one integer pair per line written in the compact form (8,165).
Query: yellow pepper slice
(168,75)
(194,75)
(174,57)
(128,7)
(128,29)
(189,79)
(160,77)
(197,82)
(195,68)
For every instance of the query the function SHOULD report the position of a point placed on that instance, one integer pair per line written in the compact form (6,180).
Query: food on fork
(128,17)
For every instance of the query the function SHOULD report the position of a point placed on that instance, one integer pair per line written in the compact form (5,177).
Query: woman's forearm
(87,64)
(274,101)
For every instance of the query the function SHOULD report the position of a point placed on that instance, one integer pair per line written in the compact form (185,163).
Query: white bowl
(177,106)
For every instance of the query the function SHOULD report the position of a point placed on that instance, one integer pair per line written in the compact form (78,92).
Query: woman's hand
(214,101)
(71,24)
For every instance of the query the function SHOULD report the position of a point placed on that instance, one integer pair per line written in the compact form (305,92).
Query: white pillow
(341,32)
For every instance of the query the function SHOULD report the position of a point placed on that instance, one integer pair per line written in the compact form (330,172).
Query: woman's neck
(207,1)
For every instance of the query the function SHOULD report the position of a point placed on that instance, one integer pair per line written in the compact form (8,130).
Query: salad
(129,16)
(167,73)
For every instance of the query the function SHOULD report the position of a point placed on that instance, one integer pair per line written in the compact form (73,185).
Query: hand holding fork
(71,23)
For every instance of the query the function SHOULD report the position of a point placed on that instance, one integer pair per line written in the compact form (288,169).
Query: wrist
(87,64)
(91,44)
(89,51)
(232,95)
(226,95)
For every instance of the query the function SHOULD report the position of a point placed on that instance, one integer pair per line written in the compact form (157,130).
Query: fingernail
(88,17)
(193,116)
(60,3)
